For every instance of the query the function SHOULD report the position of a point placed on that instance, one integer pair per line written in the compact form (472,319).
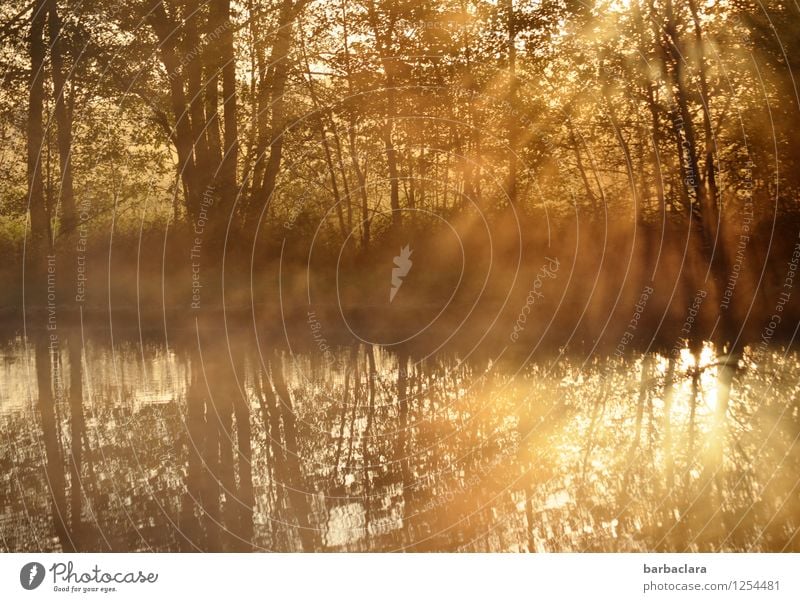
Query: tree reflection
(383,450)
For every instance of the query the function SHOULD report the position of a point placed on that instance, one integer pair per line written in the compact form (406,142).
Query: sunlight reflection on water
(633,456)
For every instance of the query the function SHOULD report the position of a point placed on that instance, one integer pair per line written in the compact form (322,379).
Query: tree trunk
(40,218)
(63,119)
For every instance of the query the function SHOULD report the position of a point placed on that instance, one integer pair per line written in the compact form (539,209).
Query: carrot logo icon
(403,265)
(31,575)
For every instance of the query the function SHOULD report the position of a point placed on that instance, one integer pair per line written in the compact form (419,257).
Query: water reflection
(218,447)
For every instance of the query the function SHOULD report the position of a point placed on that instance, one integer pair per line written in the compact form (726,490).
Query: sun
(619,6)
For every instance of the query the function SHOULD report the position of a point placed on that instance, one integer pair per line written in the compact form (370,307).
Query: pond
(154,446)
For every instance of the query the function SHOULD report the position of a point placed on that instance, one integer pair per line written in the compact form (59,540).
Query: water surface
(362,448)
